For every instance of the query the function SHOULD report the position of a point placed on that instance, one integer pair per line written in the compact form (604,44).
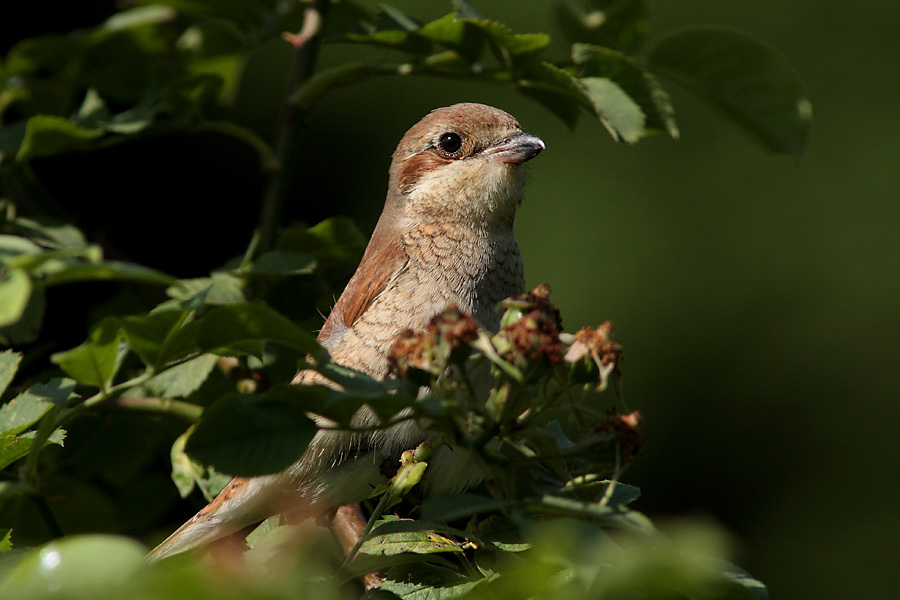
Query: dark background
(757,297)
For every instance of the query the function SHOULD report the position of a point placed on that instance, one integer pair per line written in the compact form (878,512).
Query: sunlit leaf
(394,536)
(188,473)
(183,380)
(16,446)
(15,245)
(640,85)
(47,135)
(50,233)
(9,364)
(107,271)
(27,408)
(15,292)
(617,111)
(96,361)
(219,288)
(27,328)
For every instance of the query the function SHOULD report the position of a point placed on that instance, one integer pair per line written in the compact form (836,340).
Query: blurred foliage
(88,428)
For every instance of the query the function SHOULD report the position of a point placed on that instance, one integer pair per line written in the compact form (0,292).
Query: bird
(444,238)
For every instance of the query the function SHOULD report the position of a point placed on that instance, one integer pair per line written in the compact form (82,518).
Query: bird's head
(461,163)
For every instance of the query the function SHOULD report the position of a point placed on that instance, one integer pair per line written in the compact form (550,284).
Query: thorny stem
(306,44)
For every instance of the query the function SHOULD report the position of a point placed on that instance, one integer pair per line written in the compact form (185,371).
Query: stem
(370,525)
(185,410)
(306,44)
(40,503)
(617,472)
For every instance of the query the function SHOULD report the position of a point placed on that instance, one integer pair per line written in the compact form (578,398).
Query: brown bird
(445,237)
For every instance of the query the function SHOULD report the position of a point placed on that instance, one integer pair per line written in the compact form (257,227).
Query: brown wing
(379,265)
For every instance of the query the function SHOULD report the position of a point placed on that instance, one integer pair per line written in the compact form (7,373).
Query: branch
(306,46)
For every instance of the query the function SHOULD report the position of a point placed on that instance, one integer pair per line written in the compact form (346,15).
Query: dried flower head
(595,343)
(625,429)
(531,328)
(426,354)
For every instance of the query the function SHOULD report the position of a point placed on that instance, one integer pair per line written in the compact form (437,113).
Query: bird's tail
(236,507)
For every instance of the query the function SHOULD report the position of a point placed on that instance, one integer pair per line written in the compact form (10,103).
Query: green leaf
(617,111)
(394,536)
(188,473)
(241,329)
(283,262)
(452,32)
(106,271)
(183,380)
(640,85)
(335,242)
(448,507)
(41,262)
(248,435)
(150,335)
(516,44)
(615,516)
(501,534)
(748,80)
(13,447)
(12,246)
(752,587)
(623,494)
(9,364)
(11,489)
(219,288)
(557,89)
(422,581)
(27,408)
(46,135)
(96,361)
(15,292)
(26,329)
(6,540)
(50,233)
(80,566)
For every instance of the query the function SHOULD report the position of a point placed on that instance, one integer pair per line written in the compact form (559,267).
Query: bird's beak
(516,149)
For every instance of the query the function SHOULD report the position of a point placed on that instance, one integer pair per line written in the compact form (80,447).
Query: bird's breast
(472,269)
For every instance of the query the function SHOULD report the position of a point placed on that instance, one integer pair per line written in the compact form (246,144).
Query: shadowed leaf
(248,435)
(747,79)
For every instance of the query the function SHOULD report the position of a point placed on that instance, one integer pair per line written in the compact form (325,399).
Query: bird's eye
(450,143)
